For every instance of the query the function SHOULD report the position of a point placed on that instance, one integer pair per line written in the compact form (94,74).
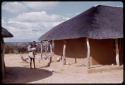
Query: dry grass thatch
(100,22)
(6,33)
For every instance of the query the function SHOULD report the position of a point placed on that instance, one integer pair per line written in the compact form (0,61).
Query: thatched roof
(100,22)
(6,33)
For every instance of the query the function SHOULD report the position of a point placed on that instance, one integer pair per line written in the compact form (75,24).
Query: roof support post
(2,59)
(51,48)
(51,53)
(41,45)
(117,52)
(64,53)
(53,43)
(88,53)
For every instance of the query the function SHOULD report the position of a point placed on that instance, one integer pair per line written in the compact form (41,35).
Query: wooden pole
(88,53)
(51,48)
(117,52)
(64,53)
(53,44)
(51,54)
(41,49)
(2,59)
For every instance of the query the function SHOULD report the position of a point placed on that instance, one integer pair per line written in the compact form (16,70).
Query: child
(31,54)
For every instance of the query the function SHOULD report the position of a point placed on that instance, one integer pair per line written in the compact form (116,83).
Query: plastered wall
(102,51)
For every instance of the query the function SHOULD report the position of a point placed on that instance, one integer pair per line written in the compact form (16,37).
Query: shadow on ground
(23,75)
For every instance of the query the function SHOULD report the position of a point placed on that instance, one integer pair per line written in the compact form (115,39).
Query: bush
(14,48)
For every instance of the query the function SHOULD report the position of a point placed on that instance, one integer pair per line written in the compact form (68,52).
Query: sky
(27,21)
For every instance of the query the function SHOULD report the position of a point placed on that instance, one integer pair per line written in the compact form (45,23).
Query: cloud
(14,7)
(38,17)
(40,5)
(21,7)
(31,25)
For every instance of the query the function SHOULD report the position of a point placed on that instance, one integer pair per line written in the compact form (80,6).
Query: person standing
(31,49)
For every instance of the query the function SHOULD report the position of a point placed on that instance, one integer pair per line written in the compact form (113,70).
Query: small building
(4,34)
(96,34)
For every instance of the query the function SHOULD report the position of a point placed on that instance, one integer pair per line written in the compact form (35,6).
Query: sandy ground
(18,71)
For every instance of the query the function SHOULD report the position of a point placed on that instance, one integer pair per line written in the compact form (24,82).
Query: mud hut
(96,34)
(4,34)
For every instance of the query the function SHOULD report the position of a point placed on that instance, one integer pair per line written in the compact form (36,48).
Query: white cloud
(21,7)
(40,5)
(14,7)
(31,25)
(38,17)
(3,22)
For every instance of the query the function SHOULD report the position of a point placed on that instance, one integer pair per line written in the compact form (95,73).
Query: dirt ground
(18,71)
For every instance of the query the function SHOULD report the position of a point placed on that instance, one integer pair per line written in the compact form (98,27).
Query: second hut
(96,34)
